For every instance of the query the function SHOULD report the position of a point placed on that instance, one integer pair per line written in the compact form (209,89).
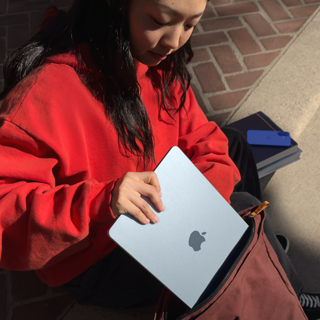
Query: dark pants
(241,154)
(118,281)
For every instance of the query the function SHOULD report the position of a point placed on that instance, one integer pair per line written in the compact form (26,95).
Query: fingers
(142,212)
(126,197)
(149,177)
(150,188)
(139,212)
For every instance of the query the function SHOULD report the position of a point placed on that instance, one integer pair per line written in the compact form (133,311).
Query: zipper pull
(263,206)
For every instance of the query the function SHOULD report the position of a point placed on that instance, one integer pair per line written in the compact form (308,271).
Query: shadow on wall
(19,20)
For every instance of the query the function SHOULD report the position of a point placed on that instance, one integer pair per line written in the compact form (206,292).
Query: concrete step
(293,193)
(290,95)
(290,92)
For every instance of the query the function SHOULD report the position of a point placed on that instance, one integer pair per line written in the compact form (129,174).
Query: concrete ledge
(290,92)
(294,194)
(290,95)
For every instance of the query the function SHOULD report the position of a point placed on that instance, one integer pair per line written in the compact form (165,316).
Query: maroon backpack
(254,288)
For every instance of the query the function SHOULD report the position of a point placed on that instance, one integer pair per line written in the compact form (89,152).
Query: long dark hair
(104,27)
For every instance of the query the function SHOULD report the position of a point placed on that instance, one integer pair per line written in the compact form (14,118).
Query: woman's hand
(126,196)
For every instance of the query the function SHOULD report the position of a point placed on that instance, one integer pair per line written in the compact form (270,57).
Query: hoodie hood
(81,60)
(79,57)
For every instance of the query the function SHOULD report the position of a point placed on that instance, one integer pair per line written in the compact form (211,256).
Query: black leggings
(118,281)
(241,154)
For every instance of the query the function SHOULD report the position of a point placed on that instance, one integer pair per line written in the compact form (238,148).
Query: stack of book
(268,158)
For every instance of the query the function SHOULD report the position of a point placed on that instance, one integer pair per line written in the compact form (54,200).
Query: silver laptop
(187,249)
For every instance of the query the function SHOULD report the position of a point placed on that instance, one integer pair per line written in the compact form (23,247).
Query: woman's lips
(159,57)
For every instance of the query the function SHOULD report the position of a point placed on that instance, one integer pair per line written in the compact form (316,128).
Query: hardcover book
(265,155)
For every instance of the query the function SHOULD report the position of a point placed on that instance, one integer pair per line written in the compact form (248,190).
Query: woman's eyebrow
(174,12)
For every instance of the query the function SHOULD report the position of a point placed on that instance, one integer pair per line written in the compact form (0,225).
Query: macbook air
(188,248)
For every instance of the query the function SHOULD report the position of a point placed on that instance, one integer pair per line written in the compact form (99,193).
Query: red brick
(209,77)
(276,42)
(224,23)
(199,98)
(18,35)
(311,1)
(227,100)
(217,2)
(274,10)
(48,309)
(26,285)
(208,13)
(302,12)
(3,7)
(291,3)
(259,25)
(19,7)
(10,51)
(226,59)
(3,32)
(2,50)
(3,293)
(200,55)
(11,19)
(243,80)
(219,119)
(260,60)
(244,41)
(208,38)
(290,26)
(36,18)
(236,9)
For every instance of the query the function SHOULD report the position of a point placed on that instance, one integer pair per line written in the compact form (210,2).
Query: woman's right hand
(127,192)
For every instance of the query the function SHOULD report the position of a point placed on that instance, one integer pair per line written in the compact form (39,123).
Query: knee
(243,200)
(234,136)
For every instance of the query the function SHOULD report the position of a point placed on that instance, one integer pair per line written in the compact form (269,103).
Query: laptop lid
(194,235)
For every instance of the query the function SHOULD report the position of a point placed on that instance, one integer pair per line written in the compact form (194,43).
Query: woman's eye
(159,23)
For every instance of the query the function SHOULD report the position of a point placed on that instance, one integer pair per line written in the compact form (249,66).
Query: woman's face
(160,27)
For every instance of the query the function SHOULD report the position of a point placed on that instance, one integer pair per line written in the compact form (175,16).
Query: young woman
(92,103)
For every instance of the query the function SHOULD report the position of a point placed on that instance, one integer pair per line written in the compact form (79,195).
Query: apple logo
(196,239)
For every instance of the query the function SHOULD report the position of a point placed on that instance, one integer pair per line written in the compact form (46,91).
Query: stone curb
(289,91)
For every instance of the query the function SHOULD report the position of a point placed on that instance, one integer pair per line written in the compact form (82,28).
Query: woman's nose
(172,38)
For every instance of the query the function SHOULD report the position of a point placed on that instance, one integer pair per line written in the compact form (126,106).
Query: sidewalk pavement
(290,95)
(249,56)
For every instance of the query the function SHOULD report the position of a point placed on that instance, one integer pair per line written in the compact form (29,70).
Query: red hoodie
(60,159)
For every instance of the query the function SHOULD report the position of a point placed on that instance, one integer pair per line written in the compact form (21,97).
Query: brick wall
(19,20)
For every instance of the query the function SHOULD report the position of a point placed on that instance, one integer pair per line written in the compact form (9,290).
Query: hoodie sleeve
(50,204)
(38,218)
(207,147)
